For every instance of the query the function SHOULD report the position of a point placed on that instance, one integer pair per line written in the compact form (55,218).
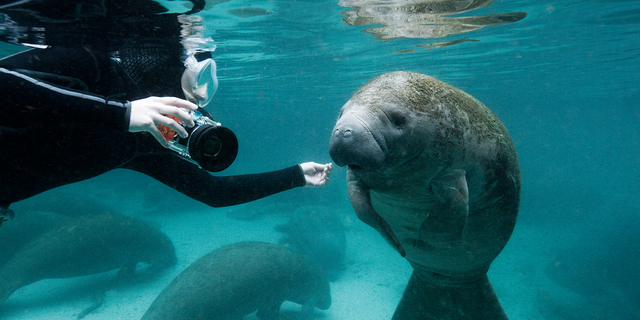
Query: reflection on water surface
(422,19)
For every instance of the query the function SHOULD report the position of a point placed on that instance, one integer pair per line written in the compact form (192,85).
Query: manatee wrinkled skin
(86,245)
(435,172)
(236,280)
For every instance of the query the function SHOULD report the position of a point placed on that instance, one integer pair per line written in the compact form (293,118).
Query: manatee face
(377,134)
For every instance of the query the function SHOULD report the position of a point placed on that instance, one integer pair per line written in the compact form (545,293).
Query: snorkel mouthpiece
(199,80)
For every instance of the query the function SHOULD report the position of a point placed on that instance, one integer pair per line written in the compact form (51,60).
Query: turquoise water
(565,81)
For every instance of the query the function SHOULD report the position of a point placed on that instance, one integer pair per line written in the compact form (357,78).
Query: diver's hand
(148,113)
(316,174)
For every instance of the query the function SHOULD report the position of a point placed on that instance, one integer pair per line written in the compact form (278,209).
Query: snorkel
(199,81)
(210,145)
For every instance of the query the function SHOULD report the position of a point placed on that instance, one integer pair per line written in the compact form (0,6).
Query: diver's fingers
(328,168)
(158,135)
(170,123)
(176,102)
(166,109)
(178,113)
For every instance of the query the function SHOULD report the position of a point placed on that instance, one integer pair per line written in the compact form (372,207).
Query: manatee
(86,245)
(316,233)
(238,279)
(435,172)
(25,227)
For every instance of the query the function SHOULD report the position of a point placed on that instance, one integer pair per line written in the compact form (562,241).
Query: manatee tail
(424,300)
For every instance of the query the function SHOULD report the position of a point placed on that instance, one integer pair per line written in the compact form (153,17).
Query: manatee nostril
(347,133)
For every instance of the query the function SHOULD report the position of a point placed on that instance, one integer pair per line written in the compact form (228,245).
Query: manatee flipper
(361,202)
(270,312)
(445,223)
(97,301)
(473,300)
(125,273)
(307,308)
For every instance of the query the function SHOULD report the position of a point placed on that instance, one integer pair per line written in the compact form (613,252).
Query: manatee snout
(353,144)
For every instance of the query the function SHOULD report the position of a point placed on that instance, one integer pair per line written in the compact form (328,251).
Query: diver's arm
(216,191)
(26,99)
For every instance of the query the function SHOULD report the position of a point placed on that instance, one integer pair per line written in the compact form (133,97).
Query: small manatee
(317,234)
(236,280)
(86,245)
(26,226)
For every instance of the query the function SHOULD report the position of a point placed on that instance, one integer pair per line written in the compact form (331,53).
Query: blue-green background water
(565,81)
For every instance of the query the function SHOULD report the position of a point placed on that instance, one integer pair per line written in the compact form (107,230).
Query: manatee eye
(397,118)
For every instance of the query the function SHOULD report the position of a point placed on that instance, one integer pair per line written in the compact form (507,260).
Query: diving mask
(199,81)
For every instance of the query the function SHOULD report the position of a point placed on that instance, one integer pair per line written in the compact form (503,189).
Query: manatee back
(461,119)
(494,179)
(238,279)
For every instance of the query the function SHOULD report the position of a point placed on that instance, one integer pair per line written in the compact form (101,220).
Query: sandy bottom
(370,287)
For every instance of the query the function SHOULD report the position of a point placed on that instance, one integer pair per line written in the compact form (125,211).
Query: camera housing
(210,145)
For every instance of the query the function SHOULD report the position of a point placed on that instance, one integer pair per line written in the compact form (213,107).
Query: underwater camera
(210,145)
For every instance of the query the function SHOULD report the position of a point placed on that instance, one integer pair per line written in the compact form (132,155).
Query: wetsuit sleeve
(216,191)
(26,100)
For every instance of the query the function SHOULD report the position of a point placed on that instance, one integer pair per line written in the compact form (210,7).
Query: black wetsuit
(52,135)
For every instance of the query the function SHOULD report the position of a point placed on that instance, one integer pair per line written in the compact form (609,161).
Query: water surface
(563,76)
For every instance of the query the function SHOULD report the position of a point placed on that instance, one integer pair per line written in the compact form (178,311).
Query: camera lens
(214,148)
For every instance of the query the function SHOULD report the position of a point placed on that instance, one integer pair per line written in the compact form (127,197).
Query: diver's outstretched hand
(148,113)
(316,174)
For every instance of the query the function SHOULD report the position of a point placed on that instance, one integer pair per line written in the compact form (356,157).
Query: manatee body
(435,172)
(238,279)
(26,226)
(317,234)
(86,245)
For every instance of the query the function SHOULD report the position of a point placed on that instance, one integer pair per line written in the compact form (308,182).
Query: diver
(88,100)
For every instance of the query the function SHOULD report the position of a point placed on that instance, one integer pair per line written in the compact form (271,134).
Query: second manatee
(86,245)
(236,280)
(317,233)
